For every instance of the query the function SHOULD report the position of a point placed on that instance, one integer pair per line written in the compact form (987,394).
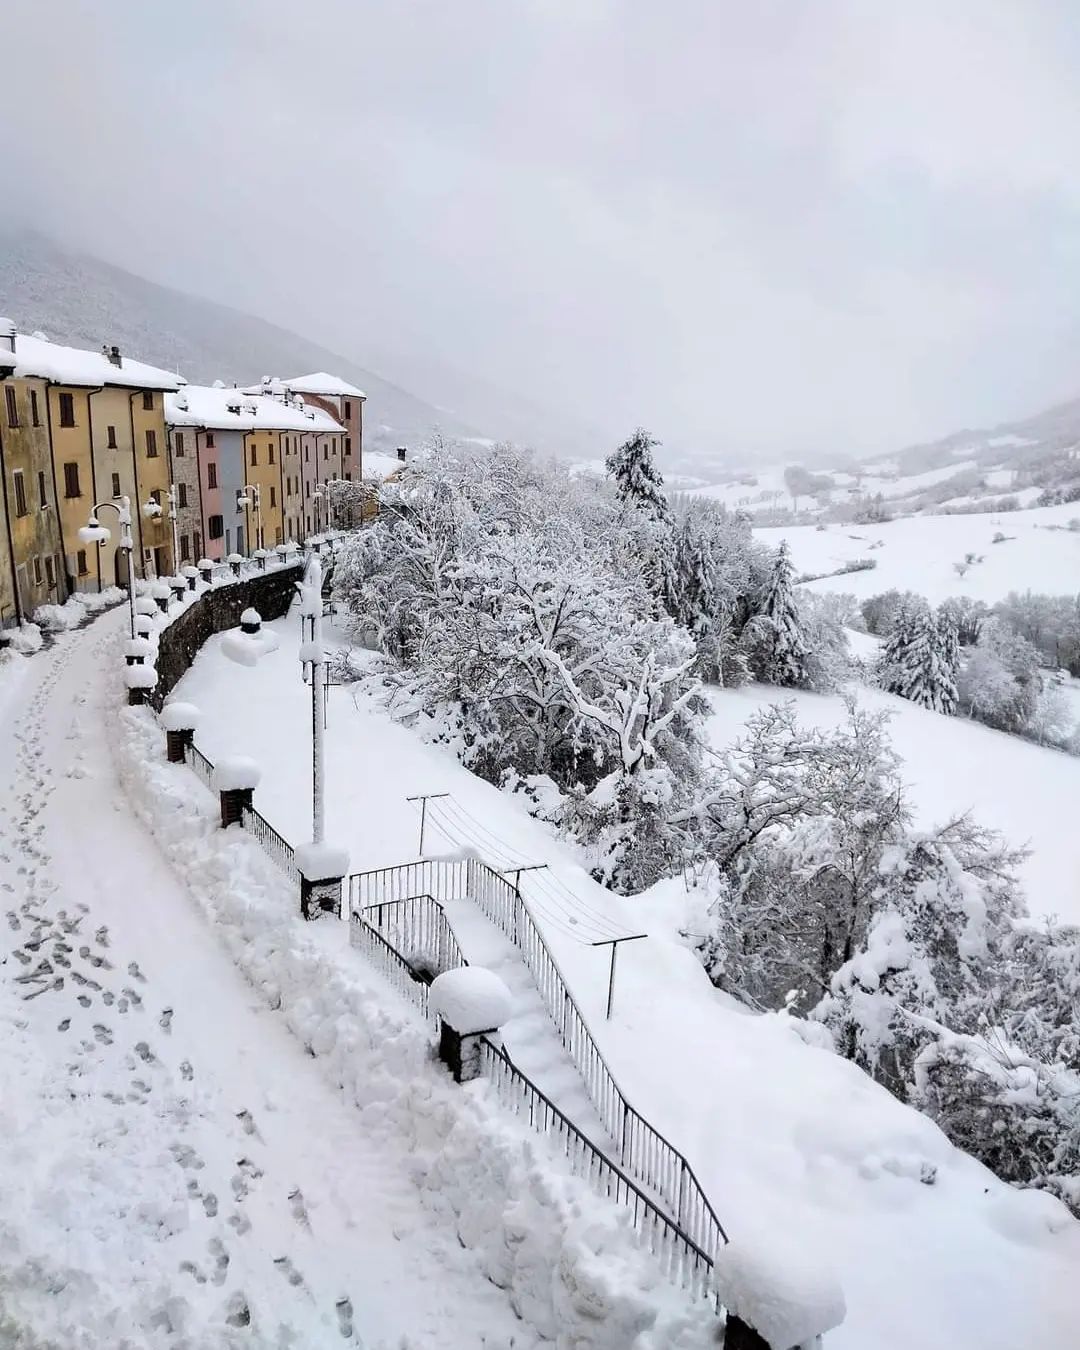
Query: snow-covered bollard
(470,1002)
(144,624)
(250,621)
(250,641)
(138,650)
(162,593)
(260,556)
(322,869)
(190,575)
(206,570)
(235,561)
(178,586)
(179,720)
(778,1296)
(145,605)
(234,779)
(139,680)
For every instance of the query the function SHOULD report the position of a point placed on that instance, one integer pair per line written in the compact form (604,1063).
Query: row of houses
(208,471)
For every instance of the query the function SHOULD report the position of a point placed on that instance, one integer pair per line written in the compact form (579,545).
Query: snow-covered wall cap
(470,999)
(204,564)
(322,862)
(140,677)
(259,553)
(234,773)
(189,571)
(234,558)
(160,589)
(251,616)
(144,624)
(144,605)
(138,646)
(179,716)
(784,1291)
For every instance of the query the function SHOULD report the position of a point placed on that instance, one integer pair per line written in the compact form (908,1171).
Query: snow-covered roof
(36,356)
(380,466)
(234,409)
(332,386)
(7,332)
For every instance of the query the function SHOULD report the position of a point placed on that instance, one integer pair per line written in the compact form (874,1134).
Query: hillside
(85,301)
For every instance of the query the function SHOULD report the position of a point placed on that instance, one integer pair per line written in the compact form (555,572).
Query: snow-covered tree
(921,656)
(638,482)
(775,640)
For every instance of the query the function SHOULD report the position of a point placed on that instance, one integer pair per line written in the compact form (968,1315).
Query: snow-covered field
(785,1136)
(918,553)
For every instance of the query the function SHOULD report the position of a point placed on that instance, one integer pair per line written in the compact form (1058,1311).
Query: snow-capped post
(179,720)
(322,868)
(777,1295)
(162,594)
(206,570)
(234,779)
(470,1002)
(179,587)
(144,624)
(313,658)
(260,557)
(139,680)
(235,561)
(190,575)
(251,642)
(138,650)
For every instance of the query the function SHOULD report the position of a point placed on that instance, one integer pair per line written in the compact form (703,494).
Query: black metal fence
(202,767)
(418,928)
(276,845)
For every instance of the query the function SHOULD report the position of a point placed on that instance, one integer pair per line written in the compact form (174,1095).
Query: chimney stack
(113,353)
(401,453)
(7,336)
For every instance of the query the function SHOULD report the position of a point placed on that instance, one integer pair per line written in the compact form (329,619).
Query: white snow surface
(320,382)
(378,466)
(75,366)
(203,406)
(781,1289)
(320,862)
(234,773)
(918,553)
(783,1135)
(179,716)
(470,999)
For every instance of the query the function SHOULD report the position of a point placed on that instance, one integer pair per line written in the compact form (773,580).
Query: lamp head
(151,509)
(93,532)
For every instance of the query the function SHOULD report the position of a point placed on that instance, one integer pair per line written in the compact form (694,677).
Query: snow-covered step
(529,1036)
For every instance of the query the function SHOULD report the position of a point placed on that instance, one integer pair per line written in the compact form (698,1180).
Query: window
(148,400)
(20,493)
(307,491)
(151,443)
(12,406)
(155,496)
(326,452)
(348,478)
(254,457)
(50,574)
(110,443)
(181,494)
(196,544)
(185,552)
(348,408)
(43,495)
(348,445)
(67,410)
(228,543)
(211,482)
(71,480)
(37,571)
(116,485)
(209,440)
(178,444)
(270,452)
(215,527)
(80,562)
(35,415)
(307,456)
(273,495)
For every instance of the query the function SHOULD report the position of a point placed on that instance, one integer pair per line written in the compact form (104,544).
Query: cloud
(770,227)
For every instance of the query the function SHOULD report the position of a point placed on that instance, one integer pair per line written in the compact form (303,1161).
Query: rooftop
(37,356)
(331,386)
(380,466)
(199,405)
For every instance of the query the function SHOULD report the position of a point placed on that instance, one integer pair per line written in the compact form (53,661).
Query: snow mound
(145,606)
(138,646)
(783,1291)
(322,862)
(140,677)
(470,999)
(179,716)
(1031,1218)
(246,648)
(234,773)
(251,617)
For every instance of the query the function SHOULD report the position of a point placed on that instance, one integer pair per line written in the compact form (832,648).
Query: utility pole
(423,800)
(613,943)
(314,652)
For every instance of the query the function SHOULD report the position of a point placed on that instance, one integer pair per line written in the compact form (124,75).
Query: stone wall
(271,593)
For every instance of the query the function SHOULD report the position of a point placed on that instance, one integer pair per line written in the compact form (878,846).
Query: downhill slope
(784,1136)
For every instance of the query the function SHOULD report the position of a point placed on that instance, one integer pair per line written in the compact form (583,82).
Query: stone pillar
(233,802)
(322,869)
(162,594)
(176,744)
(235,779)
(179,720)
(178,586)
(190,575)
(739,1336)
(471,1003)
(140,679)
(206,570)
(460,1052)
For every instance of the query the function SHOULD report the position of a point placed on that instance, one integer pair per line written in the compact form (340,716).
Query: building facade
(33,569)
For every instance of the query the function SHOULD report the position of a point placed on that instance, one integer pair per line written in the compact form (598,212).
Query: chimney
(401,453)
(7,336)
(113,353)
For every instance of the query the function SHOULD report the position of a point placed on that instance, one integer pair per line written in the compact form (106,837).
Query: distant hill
(84,301)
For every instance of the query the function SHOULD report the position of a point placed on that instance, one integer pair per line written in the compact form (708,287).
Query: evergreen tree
(775,636)
(921,658)
(638,481)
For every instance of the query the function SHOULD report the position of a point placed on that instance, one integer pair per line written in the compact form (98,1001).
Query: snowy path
(177,1165)
(529,1035)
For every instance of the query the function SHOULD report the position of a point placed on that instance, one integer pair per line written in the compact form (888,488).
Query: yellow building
(106,428)
(263,460)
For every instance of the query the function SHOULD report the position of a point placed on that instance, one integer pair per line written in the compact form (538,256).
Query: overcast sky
(776,225)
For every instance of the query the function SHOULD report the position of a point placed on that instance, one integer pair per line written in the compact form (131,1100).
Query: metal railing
(390,964)
(643,1151)
(417,928)
(197,761)
(681,1259)
(274,844)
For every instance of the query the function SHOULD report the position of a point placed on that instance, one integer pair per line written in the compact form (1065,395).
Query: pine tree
(921,658)
(638,481)
(775,634)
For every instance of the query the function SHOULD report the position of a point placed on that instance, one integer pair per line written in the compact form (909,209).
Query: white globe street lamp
(93,532)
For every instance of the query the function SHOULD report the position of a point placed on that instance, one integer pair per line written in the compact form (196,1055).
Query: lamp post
(93,532)
(313,653)
(249,495)
(152,511)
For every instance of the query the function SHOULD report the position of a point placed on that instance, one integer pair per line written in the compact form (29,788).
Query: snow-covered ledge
(179,720)
(778,1296)
(139,681)
(470,1002)
(322,869)
(234,779)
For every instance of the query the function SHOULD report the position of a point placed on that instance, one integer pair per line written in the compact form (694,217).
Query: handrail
(416,923)
(681,1257)
(390,963)
(643,1150)
(198,762)
(273,843)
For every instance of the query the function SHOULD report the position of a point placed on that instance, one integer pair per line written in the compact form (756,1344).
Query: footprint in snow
(286,1267)
(187,1073)
(165,1021)
(237,1312)
(344,1310)
(145,1053)
(221,1260)
(134,971)
(102,1034)
(299,1209)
